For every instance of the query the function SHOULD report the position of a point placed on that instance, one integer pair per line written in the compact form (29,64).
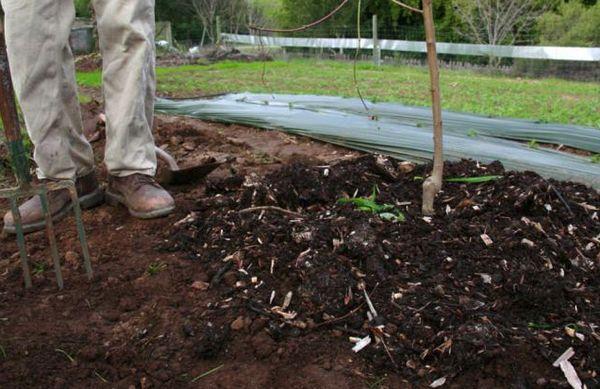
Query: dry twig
(408,7)
(271,208)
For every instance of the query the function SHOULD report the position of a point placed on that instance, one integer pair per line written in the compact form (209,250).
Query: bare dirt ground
(198,299)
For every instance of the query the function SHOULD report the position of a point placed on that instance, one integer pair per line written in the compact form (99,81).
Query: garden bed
(261,279)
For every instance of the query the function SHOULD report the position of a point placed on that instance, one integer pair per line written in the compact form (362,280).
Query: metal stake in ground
(24,188)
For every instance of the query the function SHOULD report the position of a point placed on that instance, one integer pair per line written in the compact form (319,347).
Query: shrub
(573,24)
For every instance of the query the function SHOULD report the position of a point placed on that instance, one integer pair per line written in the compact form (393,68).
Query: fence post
(218,31)
(376,48)
(169,34)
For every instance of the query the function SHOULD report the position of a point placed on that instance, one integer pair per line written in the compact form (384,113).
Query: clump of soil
(506,276)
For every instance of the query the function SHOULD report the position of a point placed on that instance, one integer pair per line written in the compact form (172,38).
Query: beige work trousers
(42,66)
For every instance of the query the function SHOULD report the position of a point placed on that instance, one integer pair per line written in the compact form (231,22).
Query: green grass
(155,268)
(547,100)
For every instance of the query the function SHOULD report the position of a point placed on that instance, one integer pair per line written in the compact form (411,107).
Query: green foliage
(38,268)
(369,204)
(83,8)
(595,158)
(572,24)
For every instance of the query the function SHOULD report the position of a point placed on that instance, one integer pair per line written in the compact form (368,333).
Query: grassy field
(548,100)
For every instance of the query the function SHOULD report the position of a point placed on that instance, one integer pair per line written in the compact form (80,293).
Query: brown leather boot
(141,194)
(59,201)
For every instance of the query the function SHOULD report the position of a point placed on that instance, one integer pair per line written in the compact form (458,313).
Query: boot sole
(116,200)
(85,202)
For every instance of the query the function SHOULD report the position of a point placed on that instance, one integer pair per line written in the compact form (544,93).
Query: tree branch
(408,7)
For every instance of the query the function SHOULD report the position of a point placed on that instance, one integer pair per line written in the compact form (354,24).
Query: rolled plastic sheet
(392,129)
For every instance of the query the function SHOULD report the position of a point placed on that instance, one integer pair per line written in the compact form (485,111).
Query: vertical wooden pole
(218,32)
(433,184)
(376,48)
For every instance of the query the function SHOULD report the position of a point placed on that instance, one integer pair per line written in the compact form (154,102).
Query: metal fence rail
(584,54)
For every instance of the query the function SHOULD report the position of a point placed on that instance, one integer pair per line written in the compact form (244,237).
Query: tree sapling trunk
(433,184)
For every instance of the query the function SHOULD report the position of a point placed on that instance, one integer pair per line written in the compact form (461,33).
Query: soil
(198,299)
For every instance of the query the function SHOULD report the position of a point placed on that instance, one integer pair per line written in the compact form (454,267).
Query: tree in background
(572,24)
(201,15)
(394,22)
(498,22)
(264,12)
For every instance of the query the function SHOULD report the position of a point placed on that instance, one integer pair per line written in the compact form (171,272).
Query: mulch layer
(506,276)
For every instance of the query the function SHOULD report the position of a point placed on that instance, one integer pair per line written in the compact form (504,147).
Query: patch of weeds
(595,158)
(472,133)
(3,352)
(369,204)
(38,268)
(533,144)
(155,268)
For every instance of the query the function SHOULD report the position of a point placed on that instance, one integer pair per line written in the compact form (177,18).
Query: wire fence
(526,58)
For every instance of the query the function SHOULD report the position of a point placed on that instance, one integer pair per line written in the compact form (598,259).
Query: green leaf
(473,180)
(533,144)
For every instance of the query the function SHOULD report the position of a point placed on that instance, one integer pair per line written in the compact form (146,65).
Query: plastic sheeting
(588,54)
(336,120)
(578,137)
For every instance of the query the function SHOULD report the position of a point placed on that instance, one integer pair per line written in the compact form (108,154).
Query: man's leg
(126,31)
(41,62)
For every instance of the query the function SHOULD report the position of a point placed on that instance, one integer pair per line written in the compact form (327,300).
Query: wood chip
(287,300)
(361,344)
(564,357)
(487,240)
(528,243)
(588,207)
(189,219)
(286,315)
(571,375)
(437,383)
(200,285)
(370,304)
(486,278)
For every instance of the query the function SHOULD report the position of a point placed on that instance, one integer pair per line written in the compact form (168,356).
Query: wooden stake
(433,184)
